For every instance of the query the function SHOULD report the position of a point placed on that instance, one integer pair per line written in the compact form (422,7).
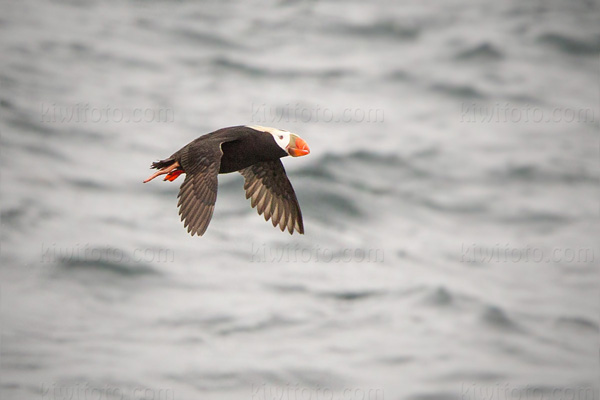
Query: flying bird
(255,152)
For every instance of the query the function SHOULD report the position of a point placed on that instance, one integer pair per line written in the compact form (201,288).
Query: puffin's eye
(280,136)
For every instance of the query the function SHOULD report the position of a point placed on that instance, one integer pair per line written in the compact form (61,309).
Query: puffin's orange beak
(298,147)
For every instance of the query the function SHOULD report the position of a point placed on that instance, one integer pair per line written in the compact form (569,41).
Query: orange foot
(166,170)
(173,175)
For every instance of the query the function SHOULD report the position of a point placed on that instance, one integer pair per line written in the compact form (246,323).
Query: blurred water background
(450,200)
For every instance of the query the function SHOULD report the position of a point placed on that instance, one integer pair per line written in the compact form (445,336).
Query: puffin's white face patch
(282,138)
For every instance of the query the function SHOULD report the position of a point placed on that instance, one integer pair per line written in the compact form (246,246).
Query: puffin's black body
(249,148)
(252,152)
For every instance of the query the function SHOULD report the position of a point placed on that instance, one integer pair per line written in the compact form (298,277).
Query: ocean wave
(315,378)
(376,170)
(42,149)
(464,90)
(88,184)
(474,376)
(104,265)
(398,75)
(341,295)
(571,45)
(444,296)
(535,173)
(496,317)
(28,215)
(320,168)
(343,186)
(436,396)
(287,288)
(5,103)
(351,295)
(452,205)
(246,68)
(385,28)
(12,216)
(210,379)
(526,217)
(205,38)
(396,360)
(579,324)
(481,52)
(272,322)
(196,321)
(439,296)
(23,123)
(331,204)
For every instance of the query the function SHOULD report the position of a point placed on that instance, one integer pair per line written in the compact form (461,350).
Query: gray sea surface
(450,201)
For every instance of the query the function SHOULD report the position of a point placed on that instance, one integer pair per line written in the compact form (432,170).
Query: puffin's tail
(162,163)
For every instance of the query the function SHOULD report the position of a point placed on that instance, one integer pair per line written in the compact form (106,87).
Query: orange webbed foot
(173,175)
(171,169)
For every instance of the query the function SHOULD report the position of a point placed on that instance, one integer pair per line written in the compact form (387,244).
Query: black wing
(198,193)
(271,193)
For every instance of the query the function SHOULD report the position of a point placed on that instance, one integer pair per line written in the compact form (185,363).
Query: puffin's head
(293,144)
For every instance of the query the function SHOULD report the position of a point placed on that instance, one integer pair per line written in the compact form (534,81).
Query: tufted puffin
(255,152)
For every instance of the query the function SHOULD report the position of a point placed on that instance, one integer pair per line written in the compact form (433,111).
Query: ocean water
(450,201)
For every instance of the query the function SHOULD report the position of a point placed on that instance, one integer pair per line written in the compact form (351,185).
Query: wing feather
(271,193)
(198,193)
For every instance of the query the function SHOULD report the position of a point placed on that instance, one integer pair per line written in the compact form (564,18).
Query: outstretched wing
(271,192)
(198,193)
